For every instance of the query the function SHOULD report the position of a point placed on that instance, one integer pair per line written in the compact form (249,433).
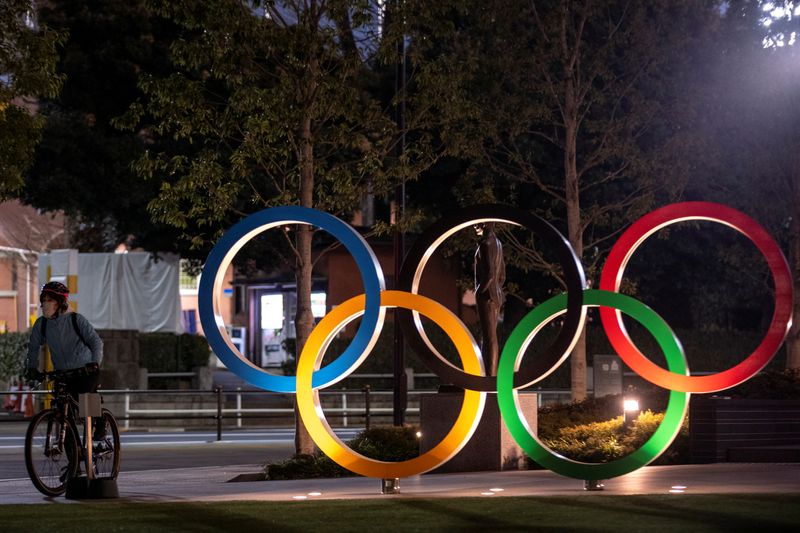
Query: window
(188,283)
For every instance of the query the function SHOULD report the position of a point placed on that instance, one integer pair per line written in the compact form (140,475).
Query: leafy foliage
(167,352)
(751,115)
(383,443)
(243,89)
(775,385)
(13,350)
(28,56)
(109,43)
(388,443)
(574,110)
(592,443)
(601,442)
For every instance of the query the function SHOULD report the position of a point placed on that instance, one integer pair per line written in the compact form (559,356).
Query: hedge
(167,352)
(13,350)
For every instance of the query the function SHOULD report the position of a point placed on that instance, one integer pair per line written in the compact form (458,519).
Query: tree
(83,165)
(273,101)
(28,55)
(751,113)
(572,108)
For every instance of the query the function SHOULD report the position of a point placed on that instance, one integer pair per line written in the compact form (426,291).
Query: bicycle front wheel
(50,461)
(106,447)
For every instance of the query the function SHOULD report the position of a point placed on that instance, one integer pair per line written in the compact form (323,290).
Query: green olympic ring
(512,354)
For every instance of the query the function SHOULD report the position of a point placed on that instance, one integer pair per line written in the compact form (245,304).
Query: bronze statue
(490,275)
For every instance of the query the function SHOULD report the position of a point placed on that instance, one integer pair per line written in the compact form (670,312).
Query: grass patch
(653,513)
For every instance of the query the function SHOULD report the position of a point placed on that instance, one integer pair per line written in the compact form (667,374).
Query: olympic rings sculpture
(513,373)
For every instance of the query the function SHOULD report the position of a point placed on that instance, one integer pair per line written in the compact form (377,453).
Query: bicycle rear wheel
(106,451)
(50,462)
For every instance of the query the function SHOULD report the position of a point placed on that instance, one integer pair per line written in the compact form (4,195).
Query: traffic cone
(11,402)
(27,404)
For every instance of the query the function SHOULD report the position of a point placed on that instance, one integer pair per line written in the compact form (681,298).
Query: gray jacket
(66,348)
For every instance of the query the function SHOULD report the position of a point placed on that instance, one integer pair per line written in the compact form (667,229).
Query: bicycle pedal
(101,447)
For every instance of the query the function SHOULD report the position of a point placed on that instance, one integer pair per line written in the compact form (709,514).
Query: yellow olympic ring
(314,419)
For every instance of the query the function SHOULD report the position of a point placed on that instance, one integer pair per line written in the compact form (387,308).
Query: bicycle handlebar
(61,375)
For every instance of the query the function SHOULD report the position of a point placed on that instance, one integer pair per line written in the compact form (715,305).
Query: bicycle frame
(53,435)
(66,407)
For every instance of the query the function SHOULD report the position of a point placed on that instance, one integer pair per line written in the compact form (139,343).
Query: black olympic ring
(533,369)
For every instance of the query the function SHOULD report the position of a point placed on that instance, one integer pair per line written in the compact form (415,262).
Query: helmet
(56,289)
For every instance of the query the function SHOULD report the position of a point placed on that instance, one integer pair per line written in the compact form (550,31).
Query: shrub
(167,352)
(597,442)
(644,427)
(194,351)
(305,467)
(13,350)
(158,352)
(387,443)
(383,443)
(602,442)
(553,418)
(784,385)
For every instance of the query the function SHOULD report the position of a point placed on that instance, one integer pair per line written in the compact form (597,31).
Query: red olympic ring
(627,244)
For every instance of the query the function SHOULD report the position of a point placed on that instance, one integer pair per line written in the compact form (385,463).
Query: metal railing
(339,405)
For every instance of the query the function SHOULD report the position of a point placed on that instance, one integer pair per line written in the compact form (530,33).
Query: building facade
(24,234)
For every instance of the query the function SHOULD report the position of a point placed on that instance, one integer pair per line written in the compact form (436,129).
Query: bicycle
(53,447)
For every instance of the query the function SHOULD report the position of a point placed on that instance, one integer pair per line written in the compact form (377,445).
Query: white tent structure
(130,291)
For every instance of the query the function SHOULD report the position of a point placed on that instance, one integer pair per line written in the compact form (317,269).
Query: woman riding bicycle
(73,342)
(53,447)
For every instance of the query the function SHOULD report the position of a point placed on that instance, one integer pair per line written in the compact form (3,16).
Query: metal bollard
(238,407)
(218,390)
(126,410)
(344,407)
(366,406)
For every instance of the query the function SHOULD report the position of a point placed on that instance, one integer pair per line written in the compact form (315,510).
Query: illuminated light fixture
(630,411)
(593,485)
(300,497)
(390,486)
(497,490)
(419,434)
(630,405)
(315,494)
(488,493)
(676,491)
(679,487)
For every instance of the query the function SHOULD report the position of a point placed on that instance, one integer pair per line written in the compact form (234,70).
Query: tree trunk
(578,356)
(304,320)
(304,323)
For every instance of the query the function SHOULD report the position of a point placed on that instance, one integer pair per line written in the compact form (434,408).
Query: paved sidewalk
(212,484)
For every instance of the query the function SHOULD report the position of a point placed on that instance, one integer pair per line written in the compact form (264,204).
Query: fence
(349,407)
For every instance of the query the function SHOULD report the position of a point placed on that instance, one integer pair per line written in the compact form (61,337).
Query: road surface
(175,449)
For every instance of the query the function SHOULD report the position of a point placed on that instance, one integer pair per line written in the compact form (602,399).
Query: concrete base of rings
(491,448)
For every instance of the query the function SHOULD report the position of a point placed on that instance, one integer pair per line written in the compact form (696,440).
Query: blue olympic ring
(211,287)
